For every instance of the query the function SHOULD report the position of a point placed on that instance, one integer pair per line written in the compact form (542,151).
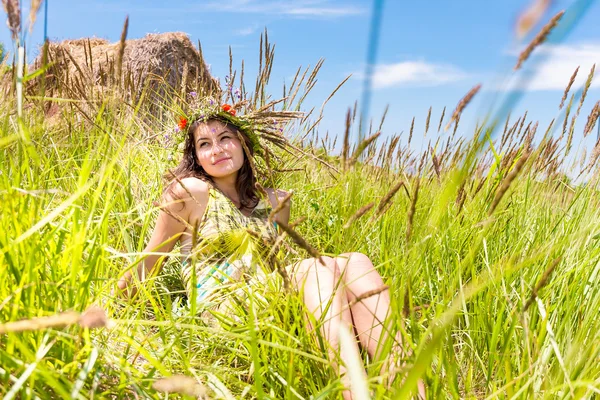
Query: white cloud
(323,11)
(415,73)
(247,31)
(556,70)
(298,8)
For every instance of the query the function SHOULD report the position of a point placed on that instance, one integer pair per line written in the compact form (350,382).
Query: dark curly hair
(190,167)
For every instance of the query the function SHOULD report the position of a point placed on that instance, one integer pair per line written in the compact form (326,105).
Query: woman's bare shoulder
(186,188)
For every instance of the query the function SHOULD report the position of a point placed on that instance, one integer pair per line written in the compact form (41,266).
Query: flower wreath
(264,126)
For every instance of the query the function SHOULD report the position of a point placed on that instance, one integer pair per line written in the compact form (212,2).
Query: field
(489,247)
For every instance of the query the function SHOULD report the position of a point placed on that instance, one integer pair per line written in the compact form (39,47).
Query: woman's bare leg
(369,314)
(325,298)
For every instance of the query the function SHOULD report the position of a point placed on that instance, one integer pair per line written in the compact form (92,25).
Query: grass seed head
(592,119)
(442,119)
(462,104)
(539,39)
(13,11)
(568,88)
(356,216)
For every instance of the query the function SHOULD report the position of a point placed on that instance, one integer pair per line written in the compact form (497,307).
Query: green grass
(77,209)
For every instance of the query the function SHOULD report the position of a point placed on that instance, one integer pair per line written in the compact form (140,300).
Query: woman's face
(218,149)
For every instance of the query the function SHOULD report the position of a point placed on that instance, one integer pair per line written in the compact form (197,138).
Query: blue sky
(431,52)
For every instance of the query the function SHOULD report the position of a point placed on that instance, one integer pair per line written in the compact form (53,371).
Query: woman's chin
(223,171)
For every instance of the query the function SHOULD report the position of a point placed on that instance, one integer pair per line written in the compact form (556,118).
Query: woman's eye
(203,144)
(225,137)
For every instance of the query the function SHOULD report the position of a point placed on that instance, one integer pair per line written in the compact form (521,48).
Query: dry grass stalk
(280,205)
(456,126)
(588,83)
(361,211)
(13,10)
(33,10)
(542,282)
(93,317)
(594,156)
(367,294)
(346,145)
(300,241)
(388,196)
(547,133)
(412,127)
(568,88)
(442,119)
(411,211)
(539,39)
(592,119)
(181,384)
(436,165)
(385,111)
(427,122)
(570,137)
(298,221)
(531,16)
(522,123)
(121,51)
(462,104)
(361,147)
(583,158)
(461,197)
(507,182)
(566,120)
(505,131)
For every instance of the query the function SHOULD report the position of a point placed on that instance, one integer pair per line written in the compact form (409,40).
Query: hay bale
(83,68)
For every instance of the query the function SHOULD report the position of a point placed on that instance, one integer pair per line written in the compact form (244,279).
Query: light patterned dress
(231,249)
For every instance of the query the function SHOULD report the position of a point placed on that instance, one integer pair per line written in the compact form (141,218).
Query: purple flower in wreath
(193,94)
(237,93)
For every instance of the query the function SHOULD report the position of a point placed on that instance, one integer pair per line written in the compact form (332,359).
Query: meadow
(489,248)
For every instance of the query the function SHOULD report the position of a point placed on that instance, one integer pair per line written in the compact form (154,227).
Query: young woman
(212,204)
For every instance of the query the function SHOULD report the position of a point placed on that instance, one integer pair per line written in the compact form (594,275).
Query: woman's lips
(221,160)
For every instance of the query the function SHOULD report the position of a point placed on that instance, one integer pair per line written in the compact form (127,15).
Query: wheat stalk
(592,118)
(361,211)
(462,104)
(13,10)
(361,147)
(568,88)
(588,83)
(427,122)
(442,119)
(300,241)
(122,43)
(412,127)
(346,145)
(542,282)
(538,39)
(507,181)
(93,317)
(386,199)
(411,211)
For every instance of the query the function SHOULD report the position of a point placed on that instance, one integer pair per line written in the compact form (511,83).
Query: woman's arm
(173,219)
(275,197)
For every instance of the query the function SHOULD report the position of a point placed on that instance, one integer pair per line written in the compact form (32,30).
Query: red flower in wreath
(227,108)
(182,123)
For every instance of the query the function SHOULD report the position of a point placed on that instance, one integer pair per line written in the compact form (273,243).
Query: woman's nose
(216,149)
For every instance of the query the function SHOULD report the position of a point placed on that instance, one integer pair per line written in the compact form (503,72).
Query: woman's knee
(354,260)
(314,270)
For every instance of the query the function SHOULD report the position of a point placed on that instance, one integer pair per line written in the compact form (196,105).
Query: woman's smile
(221,160)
